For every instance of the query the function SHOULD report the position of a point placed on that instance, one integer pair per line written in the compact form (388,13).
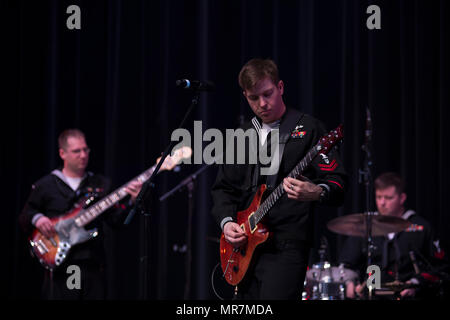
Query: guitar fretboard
(87,215)
(279,190)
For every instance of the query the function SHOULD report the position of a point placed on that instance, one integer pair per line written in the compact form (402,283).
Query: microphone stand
(365,177)
(189,184)
(143,207)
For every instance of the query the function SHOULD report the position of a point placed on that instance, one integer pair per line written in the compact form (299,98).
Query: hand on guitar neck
(133,188)
(234,234)
(301,189)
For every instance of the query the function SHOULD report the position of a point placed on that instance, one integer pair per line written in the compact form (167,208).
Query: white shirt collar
(73,181)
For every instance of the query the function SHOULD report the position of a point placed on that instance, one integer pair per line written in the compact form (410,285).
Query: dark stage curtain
(115,79)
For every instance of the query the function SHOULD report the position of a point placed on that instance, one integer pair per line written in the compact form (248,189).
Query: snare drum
(325,282)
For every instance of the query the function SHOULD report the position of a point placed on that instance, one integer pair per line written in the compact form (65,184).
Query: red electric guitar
(235,261)
(69,227)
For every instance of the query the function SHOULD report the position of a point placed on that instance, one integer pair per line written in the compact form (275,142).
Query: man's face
(389,202)
(75,155)
(266,101)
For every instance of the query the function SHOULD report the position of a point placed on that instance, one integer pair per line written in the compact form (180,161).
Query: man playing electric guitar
(55,194)
(278,266)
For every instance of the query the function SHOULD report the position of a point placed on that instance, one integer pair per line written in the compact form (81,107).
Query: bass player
(55,194)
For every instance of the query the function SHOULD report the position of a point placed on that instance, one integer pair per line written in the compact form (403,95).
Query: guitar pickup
(40,246)
(37,246)
(252,222)
(44,247)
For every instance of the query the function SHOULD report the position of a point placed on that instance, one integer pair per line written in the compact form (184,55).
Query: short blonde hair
(64,136)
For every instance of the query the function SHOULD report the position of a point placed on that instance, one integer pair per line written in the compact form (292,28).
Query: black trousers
(277,272)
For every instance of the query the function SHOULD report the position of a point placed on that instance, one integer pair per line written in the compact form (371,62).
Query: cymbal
(355,225)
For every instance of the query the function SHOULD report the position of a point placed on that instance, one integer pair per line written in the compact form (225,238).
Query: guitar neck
(279,190)
(87,215)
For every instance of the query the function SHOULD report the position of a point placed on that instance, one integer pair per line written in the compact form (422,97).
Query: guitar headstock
(327,142)
(172,161)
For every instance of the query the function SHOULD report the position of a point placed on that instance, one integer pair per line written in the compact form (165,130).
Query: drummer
(391,252)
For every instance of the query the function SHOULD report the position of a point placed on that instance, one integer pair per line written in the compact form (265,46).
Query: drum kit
(326,282)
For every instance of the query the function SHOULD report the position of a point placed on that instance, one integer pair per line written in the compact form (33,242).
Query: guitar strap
(287,125)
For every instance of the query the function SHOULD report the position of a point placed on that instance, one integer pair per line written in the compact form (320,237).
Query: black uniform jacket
(236,184)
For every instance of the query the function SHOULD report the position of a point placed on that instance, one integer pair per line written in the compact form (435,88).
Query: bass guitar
(69,227)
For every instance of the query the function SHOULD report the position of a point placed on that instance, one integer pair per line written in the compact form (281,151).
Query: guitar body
(235,261)
(52,252)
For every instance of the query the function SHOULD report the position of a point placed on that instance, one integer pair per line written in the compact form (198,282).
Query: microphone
(414,262)
(195,85)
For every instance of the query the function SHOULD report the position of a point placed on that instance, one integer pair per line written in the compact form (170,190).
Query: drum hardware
(398,286)
(393,289)
(326,282)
